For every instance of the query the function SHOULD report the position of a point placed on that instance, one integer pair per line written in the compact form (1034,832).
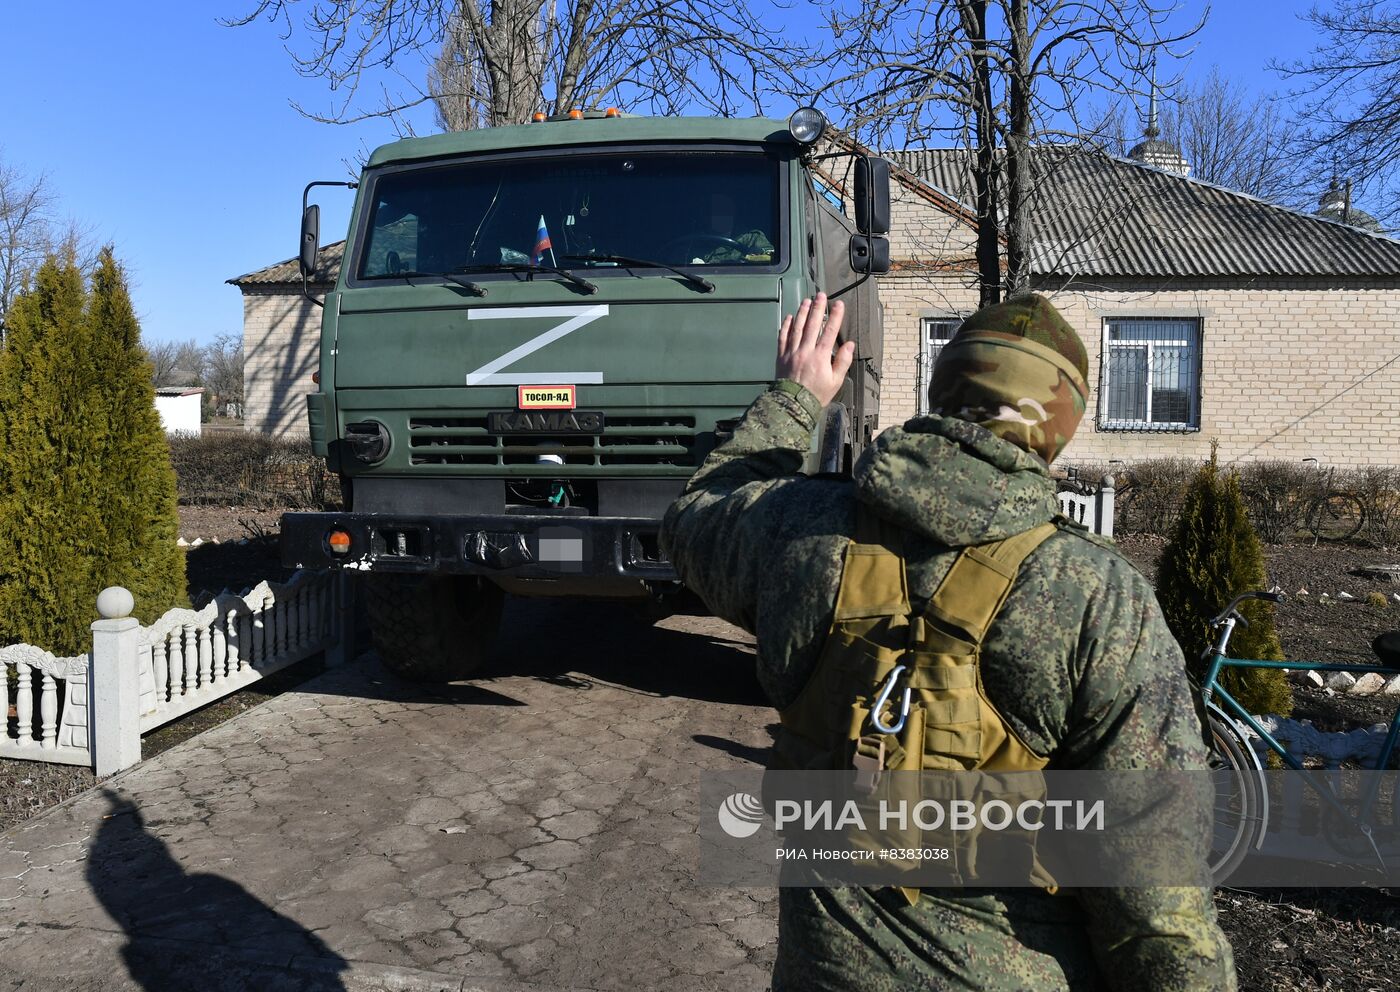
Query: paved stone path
(534,829)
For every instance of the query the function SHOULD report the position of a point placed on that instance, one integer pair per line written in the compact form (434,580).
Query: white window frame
(1192,341)
(928,325)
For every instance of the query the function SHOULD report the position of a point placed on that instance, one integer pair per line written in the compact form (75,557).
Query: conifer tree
(86,489)
(142,523)
(1213,556)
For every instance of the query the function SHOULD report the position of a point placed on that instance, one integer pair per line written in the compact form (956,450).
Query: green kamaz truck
(538,333)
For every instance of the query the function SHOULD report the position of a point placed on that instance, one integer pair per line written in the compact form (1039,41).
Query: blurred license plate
(558,545)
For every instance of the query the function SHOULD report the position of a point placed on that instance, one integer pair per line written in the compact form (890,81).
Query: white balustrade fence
(1093,510)
(92,708)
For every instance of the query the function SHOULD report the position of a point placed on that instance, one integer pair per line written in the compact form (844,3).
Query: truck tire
(432,628)
(834,457)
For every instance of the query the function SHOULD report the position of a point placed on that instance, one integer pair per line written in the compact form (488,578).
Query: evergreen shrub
(87,495)
(1213,556)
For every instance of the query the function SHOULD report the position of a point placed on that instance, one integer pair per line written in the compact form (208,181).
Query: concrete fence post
(1104,510)
(116,696)
(342,646)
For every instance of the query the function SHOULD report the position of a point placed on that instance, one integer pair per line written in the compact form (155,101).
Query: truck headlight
(368,441)
(806,125)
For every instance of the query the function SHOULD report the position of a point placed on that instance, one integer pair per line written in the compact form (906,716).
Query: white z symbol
(488,374)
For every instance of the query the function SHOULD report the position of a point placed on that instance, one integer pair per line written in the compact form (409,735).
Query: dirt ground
(1317,629)
(246,551)
(1334,939)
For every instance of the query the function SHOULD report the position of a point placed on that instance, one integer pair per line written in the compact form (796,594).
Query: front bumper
(499,546)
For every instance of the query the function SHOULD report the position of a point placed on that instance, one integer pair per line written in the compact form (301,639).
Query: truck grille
(657,440)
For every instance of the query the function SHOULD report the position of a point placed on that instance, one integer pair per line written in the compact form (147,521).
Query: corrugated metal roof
(1096,215)
(283,273)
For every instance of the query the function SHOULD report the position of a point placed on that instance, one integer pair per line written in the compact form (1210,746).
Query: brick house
(281,342)
(1208,314)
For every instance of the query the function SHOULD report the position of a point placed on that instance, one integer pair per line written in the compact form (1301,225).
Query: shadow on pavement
(196,931)
(573,642)
(576,644)
(757,755)
(386,686)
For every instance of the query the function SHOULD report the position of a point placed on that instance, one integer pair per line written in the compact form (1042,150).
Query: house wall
(179,414)
(1290,369)
(281,348)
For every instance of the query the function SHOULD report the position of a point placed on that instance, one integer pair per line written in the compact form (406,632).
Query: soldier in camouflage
(1078,663)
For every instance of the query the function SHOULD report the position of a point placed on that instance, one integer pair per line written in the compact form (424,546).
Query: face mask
(1023,392)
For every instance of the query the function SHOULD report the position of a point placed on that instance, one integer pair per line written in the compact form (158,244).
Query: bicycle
(1242,797)
(1333,514)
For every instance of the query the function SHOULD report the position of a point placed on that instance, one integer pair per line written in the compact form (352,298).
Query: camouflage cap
(1017,369)
(1033,317)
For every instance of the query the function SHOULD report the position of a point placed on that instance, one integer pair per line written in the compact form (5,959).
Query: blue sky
(172,137)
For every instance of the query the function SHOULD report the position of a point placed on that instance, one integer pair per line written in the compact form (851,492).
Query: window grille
(1151,375)
(937,331)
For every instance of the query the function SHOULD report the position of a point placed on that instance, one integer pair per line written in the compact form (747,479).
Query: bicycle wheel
(1239,802)
(1338,516)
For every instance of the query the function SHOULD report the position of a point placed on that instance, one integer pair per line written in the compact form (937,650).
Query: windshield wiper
(642,263)
(564,274)
(466,284)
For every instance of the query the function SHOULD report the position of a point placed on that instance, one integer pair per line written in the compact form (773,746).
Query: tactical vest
(950,724)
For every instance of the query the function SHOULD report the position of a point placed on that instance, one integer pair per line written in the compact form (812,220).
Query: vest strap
(873,583)
(972,593)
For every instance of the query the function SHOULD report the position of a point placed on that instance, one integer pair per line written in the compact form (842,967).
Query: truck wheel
(432,628)
(835,452)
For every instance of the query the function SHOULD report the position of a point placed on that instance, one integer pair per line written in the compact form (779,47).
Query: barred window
(1151,375)
(937,331)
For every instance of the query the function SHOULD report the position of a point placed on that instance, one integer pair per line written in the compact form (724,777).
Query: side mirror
(310,239)
(870,255)
(872,195)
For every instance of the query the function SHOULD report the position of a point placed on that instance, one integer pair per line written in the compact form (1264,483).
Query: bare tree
(26,230)
(161,355)
(223,375)
(1000,78)
(1348,96)
(487,62)
(177,363)
(1230,137)
(490,70)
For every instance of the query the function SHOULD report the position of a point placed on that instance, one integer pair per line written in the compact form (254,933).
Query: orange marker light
(338,541)
(316,377)
(612,112)
(537,117)
(576,114)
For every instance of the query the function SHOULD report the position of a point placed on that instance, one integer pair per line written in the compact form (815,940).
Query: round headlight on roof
(806,125)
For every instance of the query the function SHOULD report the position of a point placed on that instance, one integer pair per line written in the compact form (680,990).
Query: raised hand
(805,344)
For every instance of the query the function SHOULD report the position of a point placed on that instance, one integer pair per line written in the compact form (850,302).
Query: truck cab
(538,334)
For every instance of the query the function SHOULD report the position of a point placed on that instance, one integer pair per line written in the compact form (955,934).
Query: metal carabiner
(884,698)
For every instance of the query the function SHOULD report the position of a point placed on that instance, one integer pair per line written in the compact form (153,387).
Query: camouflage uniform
(1079,663)
(757,248)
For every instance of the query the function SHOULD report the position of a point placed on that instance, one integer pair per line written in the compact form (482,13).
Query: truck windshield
(680,208)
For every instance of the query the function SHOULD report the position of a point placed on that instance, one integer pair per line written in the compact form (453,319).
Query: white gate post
(1103,510)
(342,619)
(116,695)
